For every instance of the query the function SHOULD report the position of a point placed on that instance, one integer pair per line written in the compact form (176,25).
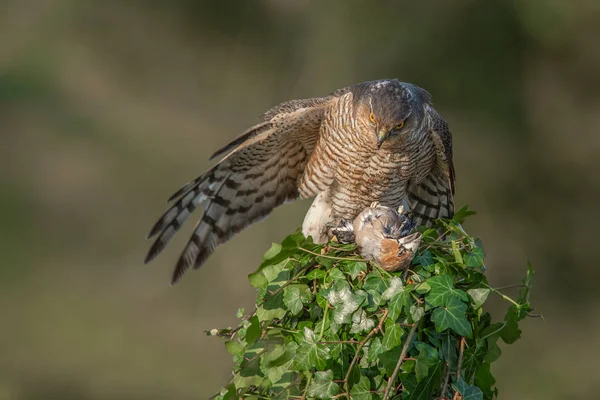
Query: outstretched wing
(433,197)
(259,170)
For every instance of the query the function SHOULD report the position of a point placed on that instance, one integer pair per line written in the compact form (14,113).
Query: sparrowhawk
(374,141)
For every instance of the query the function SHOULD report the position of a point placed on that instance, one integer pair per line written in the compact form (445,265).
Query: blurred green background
(107,107)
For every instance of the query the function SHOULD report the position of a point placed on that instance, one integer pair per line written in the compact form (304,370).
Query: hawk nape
(374,141)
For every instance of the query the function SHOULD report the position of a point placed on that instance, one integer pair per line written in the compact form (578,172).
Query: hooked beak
(381,136)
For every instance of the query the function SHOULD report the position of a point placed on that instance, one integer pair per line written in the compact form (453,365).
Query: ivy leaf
(396,286)
(322,386)
(375,349)
(397,303)
(234,347)
(424,389)
(362,389)
(416,312)
(272,308)
(472,358)
(428,355)
(273,251)
(527,282)
(442,290)
(484,379)
(311,354)
(467,391)
(343,301)
(360,322)
(479,296)
(457,256)
(424,259)
(295,296)
(452,316)
(474,258)
(462,214)
(374,281)
(511,332)
(392,336)
(449,351)
(253,331)
(336,274)
(354,268)
(277,363)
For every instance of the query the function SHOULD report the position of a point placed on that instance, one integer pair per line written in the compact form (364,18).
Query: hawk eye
(372,118)
(399,126)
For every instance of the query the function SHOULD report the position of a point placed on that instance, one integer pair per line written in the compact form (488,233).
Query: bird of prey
(383,235)
(374,141)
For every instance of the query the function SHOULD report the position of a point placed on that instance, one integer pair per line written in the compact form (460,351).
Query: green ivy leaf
(527,282)
(354,268)
(485,380)
(392,336)
(474,258)
(362,389)
(449,350)
(442,290)
(397,303)
(375,349)
(322,386)
(424,390)
(337,275)
(344,302)
(311,354)
(253,331)
(375,282)
(234,347)
(396,286)
(511,332)
(278,362)
(462,214)
(479,296)
(272,308)
(416,313)
(295,296)
(467,391)
(452,316)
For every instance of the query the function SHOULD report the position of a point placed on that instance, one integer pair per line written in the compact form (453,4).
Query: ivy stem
(324,320)
(460,357)
(360,346)
(505,297)
(445,384)
(401,359)
(306,387)
(331,257)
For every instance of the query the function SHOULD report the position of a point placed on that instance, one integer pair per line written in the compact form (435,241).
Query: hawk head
(392,108)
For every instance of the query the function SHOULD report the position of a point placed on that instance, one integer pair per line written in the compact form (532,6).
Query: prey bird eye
(372,118)
(399,126)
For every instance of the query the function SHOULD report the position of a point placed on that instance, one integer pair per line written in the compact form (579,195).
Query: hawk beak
(381,136)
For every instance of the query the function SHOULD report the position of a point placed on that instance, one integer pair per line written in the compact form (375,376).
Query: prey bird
(383,235)
(374,141)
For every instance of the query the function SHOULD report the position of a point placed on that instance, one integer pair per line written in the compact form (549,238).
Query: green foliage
(330,325)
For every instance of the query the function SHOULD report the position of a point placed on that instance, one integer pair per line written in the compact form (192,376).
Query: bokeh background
(107,107)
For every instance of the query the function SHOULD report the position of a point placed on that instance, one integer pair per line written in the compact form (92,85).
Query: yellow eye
(372,118)
(399,126)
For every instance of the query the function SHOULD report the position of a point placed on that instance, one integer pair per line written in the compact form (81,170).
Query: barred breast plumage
(375,141)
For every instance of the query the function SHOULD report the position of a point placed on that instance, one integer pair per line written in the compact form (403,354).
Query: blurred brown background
(107,107)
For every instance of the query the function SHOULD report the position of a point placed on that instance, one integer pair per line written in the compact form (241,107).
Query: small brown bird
(382,234)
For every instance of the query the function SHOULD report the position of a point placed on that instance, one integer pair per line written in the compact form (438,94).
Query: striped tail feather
(233,197)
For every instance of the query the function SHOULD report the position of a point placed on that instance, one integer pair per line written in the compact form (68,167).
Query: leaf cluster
(328,324)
